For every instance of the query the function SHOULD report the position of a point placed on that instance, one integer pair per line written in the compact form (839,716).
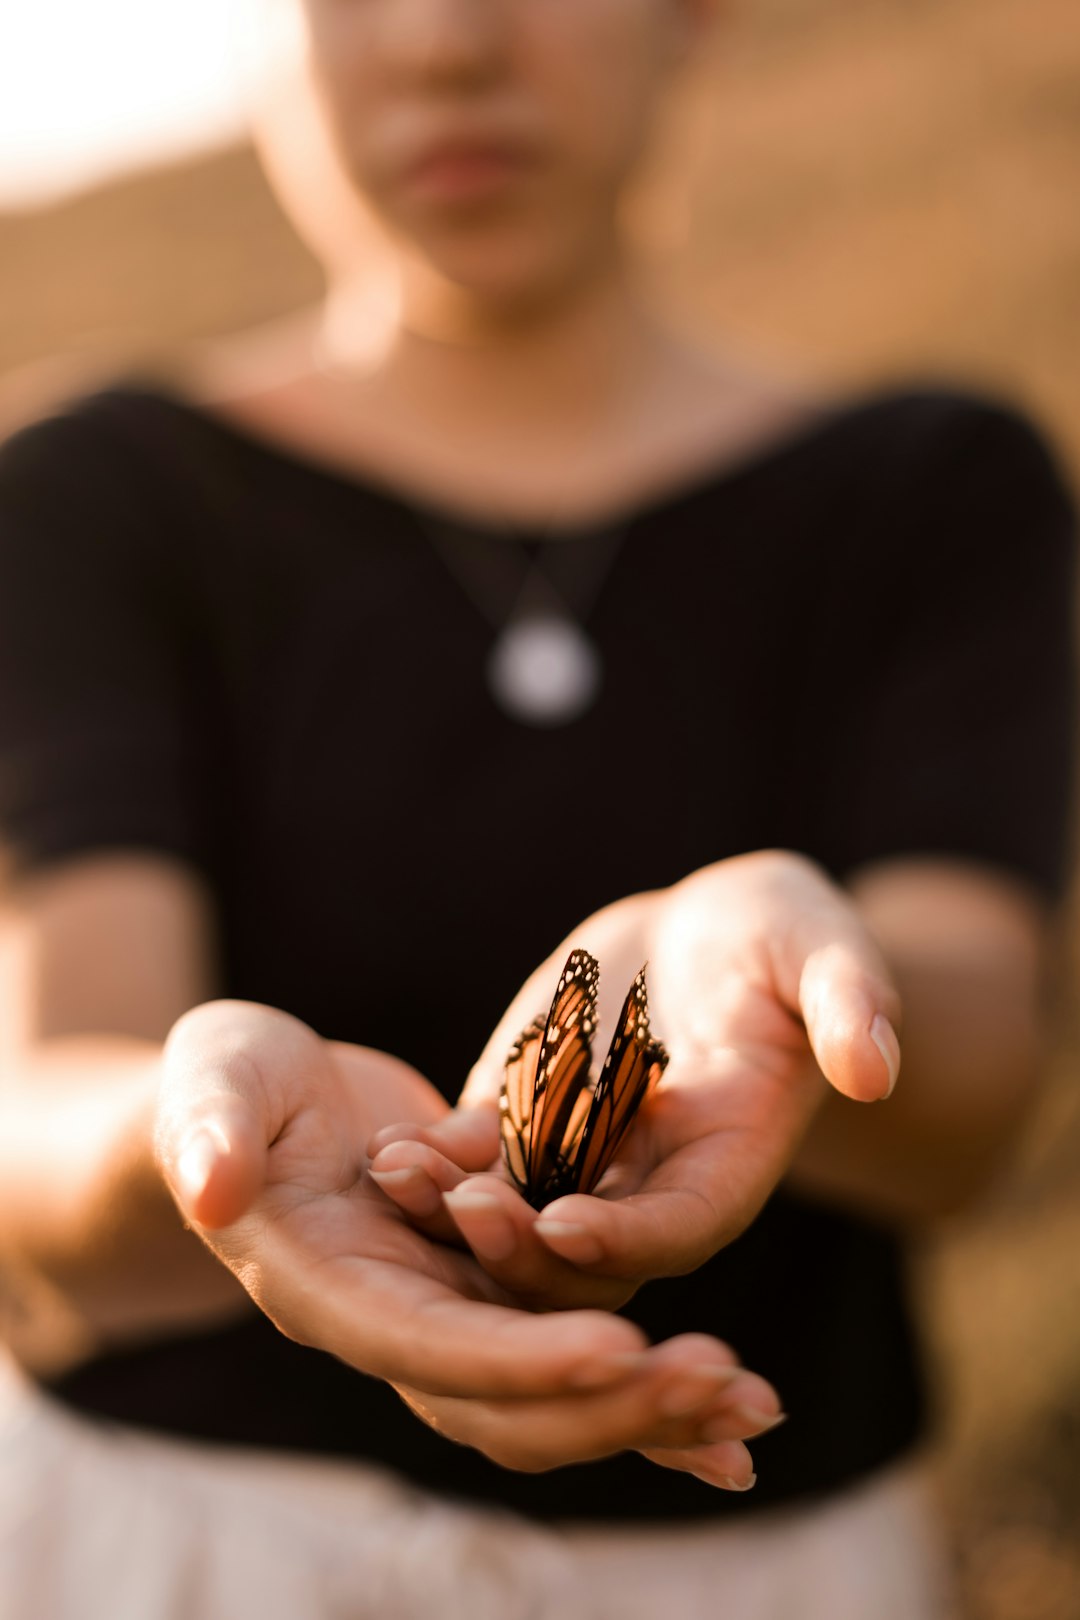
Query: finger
(219,1105)
(500,1229)
(848,1011)
(728,1465)
(415,1177)
(533,1436)
(401,1325)
(666,1231)
(217,1170)
(703,1385)
(745,1411)
(669,1402)
(810,956)
(829,969)
(662,1232)
(468,1136)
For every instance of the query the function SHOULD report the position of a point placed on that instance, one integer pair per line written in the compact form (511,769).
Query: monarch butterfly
(560,1130)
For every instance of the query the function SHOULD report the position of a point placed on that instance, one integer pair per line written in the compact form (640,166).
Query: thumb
(807,948)
(827,968)
(216,1113)
(849,1007)
(216,1168)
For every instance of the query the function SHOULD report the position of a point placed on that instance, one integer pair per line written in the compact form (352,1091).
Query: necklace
(543,668)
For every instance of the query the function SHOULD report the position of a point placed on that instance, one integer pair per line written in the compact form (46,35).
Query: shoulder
(102,474)
(944,436)
(942,480)
(91,461)
(80,434)
(93,502)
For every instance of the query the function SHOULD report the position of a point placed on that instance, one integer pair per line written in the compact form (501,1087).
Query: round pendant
(544,670)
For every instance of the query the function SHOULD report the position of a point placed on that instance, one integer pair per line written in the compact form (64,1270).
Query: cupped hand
(766,988)
(261,1134)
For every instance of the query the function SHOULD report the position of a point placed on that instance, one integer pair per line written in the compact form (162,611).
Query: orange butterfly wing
(562,1075)
(559,1134)
(516,1102)
(634,1064)
(545,1095)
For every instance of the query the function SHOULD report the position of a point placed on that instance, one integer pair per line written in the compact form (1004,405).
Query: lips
(468,169)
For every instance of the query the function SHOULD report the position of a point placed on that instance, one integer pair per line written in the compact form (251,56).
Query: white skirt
(99,1522)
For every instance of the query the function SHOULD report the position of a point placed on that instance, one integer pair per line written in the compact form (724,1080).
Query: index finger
(665,1232)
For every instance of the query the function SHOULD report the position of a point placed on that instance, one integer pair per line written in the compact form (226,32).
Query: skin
(765,982)
(466,351)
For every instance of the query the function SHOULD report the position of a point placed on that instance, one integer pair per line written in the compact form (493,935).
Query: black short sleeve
(949,700)
(99,740)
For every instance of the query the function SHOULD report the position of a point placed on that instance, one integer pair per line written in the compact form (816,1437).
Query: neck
(573,358)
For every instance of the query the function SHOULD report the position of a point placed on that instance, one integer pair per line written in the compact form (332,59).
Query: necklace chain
(543,668)
(537,596)
(509,578)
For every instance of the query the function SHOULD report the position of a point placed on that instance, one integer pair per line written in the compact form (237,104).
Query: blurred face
(493,138)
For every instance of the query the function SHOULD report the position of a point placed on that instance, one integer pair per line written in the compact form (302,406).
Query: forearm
(967,954)
(92,1247)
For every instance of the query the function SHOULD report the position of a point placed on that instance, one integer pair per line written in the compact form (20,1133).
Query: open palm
(762,981)
(261,1134)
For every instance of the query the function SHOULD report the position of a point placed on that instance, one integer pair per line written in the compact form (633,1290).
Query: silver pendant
(544,670)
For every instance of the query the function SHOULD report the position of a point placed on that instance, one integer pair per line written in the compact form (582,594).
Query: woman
(339,680)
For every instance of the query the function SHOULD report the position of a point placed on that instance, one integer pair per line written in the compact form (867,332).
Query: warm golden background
(866,189)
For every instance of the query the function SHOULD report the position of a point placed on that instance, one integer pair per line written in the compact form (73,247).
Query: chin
(508,272)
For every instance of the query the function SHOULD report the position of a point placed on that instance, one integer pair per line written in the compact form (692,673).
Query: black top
(856,645)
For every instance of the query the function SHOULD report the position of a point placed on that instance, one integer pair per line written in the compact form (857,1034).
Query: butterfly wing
(545,1094)
(634,1064)
(516,1102)
(562,1074)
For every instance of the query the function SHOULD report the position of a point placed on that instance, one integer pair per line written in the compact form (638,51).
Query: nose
(455,43)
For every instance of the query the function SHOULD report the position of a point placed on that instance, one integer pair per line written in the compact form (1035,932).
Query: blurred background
(860,189)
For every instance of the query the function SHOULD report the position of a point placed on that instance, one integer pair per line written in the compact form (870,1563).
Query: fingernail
(465,1197)
(390,1179)
(196,1160)
(689,1392)
(493,1236)
(608,1369)
(573,1242)
(727,1482)
(720,1375)
(884,1038)
(423,1197)
(757,1423)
